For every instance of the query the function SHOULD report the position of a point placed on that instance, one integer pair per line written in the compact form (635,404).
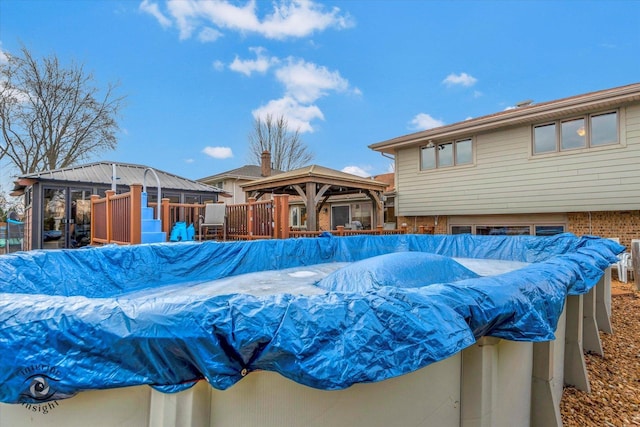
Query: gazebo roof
(338,182)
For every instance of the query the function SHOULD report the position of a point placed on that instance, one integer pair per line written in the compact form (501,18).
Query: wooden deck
(117,218)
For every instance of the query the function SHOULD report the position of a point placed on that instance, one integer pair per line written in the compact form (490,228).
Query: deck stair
(151,227)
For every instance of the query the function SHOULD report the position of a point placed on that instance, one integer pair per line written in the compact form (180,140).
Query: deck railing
(259,220)
(117,218)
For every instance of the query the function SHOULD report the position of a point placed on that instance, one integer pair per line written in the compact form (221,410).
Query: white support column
(545,405)
(590,334)
(575,369)
(480,383)
(189,408)
(603,302)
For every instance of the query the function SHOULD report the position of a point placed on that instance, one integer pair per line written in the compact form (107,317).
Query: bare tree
(287,150)
(53,117)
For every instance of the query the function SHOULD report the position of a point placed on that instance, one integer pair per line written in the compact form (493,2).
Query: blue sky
(346,73)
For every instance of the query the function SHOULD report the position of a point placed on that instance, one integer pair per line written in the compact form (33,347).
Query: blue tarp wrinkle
(69,320)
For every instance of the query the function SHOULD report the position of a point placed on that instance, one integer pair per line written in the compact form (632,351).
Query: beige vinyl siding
(506,178)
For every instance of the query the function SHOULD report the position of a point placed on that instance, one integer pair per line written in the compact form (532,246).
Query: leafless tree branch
(51,116)
(287,149)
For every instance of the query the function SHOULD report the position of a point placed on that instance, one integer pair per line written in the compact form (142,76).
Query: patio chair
(624,265)
(214,217)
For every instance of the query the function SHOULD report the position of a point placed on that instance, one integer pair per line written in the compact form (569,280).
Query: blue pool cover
(73,320)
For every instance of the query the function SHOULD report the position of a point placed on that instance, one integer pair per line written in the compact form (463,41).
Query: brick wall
(413,223)
(624,225)
(324,220)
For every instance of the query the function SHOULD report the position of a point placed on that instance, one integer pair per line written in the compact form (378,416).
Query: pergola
(315,185)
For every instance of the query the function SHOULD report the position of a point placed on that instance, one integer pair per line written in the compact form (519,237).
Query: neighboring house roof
(126,174)
(248,172)
(551,110)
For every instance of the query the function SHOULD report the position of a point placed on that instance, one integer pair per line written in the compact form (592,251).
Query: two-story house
(569,165)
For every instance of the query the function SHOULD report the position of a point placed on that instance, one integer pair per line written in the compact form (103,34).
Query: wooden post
(340,229)
(312,213)
(92,228)
(135,235)
(166,221)
(281,216)
(108,216)
(250,221)
(421,229)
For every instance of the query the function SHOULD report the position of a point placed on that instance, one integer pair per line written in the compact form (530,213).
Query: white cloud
(153,10)
(298,116)
(218,65)
(423,121)
(189,160)
(288,18)
(306,82)
(261,64)
(300,18)
(218,152)
(356,170)
(185,14)
(462,79)
(209,34)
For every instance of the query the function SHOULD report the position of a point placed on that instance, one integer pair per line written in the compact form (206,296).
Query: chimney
(266,164)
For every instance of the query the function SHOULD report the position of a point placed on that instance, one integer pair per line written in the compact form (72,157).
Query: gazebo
(315,185)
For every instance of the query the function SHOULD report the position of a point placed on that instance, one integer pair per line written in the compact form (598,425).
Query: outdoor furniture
(214,217)
(624,265)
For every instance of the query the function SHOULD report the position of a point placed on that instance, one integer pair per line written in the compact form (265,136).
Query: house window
(464,152)
(298,216)
(604,129)
(361,212)
(508,230)
(573,135)
(503,230)
(549,230)
(446,154)
(461,229)
(352,216)
(544,137)
(580,132)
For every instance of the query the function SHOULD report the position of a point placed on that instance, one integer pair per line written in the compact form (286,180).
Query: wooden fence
(117,218)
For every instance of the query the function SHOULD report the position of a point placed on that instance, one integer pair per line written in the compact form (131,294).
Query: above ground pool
(325,312)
